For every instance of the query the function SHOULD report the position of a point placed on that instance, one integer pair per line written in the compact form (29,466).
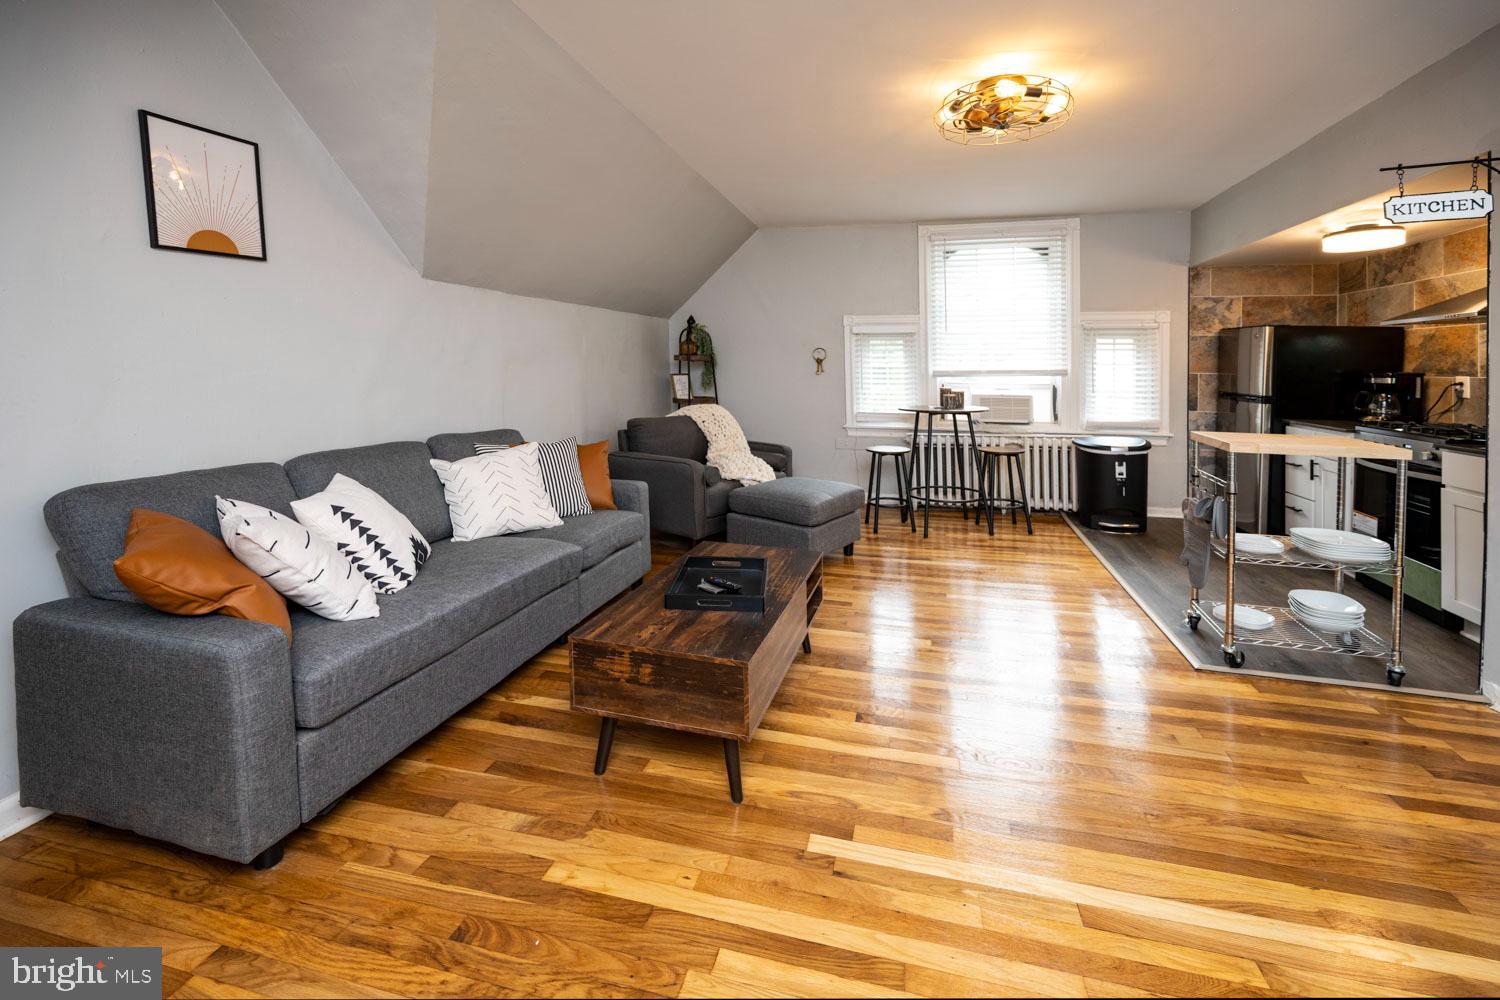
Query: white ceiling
(819,111)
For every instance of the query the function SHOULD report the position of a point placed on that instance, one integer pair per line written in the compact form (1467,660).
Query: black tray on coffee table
(749,572)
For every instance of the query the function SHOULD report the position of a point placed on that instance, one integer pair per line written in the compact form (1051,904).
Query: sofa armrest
(632,494)
(674,486)
(178,728)
(766,449)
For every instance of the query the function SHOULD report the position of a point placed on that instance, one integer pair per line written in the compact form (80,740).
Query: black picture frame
(144,117)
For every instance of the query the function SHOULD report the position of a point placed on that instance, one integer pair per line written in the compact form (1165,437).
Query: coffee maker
(1389,396)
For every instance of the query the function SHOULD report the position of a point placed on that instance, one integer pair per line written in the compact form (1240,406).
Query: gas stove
(1423,439)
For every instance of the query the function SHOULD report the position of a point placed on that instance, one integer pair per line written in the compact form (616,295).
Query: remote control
(709,588)
(720,582)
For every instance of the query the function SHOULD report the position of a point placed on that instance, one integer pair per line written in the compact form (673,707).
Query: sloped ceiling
(360,74)
(491,157)
(543,184)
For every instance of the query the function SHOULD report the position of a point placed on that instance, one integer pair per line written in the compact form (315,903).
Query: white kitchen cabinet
(1312,484)
(1462,535)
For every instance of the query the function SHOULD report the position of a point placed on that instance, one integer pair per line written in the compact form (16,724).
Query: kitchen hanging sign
(1441,205)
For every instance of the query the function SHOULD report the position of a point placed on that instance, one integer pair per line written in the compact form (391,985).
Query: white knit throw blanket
(728,451)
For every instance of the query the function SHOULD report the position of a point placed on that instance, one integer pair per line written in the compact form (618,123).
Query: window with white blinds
(1122,369)
(999,299)
(885,367)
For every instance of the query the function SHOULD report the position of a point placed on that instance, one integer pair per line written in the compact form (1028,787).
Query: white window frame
(1135,319)
(851,418)
(1070,396)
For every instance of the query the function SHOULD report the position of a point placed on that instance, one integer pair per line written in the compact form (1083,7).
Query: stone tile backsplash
(1357,291)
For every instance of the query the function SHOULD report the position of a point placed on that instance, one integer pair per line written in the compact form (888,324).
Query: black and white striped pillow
(561,475)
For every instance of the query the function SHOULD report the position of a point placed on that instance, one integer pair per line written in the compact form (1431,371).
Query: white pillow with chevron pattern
(496,494)
(302,565)
(374,536)
(562,476)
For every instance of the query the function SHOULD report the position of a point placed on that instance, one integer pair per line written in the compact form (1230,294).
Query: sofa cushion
(464,589)
(89,522)
(666,436)
(599,535)
(460,444)
(398,471)
(797,501)
(716,497)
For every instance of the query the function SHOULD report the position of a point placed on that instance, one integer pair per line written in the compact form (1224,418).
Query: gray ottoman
(797,513)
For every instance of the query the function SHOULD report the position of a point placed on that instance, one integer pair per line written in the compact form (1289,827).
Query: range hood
(1470,307)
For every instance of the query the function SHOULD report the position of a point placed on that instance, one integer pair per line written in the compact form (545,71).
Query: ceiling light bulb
(1358,239)
(1055,103)
(1007,87)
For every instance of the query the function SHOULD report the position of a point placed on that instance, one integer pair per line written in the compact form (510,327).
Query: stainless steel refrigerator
(1272,374)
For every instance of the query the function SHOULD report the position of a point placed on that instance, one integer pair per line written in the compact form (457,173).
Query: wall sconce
(819,356)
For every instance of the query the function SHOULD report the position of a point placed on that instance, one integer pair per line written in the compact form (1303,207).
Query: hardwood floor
(992,776)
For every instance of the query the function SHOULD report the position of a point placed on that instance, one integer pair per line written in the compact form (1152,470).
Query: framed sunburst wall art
(202,189)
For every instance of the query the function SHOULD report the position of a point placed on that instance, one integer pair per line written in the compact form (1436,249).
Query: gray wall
(124,361)
(1446,112)
(786,291)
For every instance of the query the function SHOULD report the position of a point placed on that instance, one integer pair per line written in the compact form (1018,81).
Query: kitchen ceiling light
(1007,108)
(1357,239)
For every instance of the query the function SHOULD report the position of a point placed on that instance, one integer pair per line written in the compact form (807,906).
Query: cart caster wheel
(1235,659)
(1394,679)
(1193,621)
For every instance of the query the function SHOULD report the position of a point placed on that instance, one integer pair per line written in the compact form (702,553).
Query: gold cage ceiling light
(1009,108)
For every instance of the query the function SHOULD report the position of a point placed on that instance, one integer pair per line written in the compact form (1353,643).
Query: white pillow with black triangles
(374,536)
(302,565)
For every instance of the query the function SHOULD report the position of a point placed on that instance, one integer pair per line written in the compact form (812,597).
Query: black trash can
(1112,482)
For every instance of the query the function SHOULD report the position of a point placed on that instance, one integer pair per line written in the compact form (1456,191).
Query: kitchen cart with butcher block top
(1286,630)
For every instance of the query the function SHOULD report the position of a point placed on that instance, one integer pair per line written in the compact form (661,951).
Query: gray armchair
(688,498)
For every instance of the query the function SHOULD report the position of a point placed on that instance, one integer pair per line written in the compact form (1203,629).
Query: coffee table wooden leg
(606,740)
(732,765)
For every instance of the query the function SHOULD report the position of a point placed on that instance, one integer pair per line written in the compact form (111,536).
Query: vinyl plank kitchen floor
(1436,659)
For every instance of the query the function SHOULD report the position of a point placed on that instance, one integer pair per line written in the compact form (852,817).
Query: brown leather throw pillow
(177,567)
(593,460)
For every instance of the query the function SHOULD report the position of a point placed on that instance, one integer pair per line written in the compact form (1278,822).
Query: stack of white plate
(1245,617)
(1340,546)
(1326,610)
(1257,545)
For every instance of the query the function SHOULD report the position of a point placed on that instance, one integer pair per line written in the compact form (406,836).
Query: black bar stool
(989,483)
(873,497)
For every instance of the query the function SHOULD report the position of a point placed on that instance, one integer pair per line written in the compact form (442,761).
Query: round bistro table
(962,495)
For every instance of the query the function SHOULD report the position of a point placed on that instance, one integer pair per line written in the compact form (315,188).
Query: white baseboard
(1175,512)
(1491,690)
(15,817)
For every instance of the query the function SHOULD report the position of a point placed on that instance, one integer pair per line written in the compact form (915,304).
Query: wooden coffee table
(708,672)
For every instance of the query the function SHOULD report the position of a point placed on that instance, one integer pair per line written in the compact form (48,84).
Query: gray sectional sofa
(688,497)
(212,732)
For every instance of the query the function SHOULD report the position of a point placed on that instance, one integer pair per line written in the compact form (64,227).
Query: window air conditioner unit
(1005,409)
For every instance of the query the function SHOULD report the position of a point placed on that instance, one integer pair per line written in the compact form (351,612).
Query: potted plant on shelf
(695,340)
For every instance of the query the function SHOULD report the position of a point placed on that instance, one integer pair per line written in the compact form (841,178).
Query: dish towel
(728,451)
(1196,550)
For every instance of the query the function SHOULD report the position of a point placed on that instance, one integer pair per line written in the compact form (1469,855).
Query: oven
(1375,506)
